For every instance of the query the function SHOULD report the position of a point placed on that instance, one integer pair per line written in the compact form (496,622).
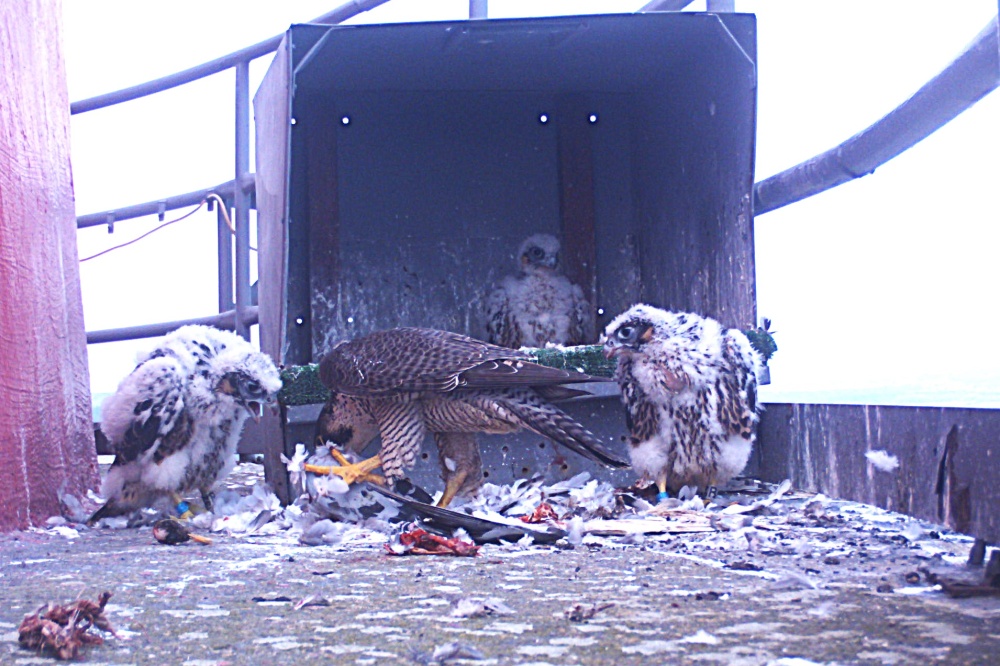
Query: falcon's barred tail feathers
(549,421)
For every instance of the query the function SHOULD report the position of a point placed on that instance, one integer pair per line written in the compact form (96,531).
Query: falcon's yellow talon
(350,472)
(451,488)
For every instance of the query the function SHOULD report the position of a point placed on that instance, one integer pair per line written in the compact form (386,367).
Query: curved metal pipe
(247,54)
(972,75)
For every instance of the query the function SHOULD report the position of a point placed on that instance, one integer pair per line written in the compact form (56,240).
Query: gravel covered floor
(801,580)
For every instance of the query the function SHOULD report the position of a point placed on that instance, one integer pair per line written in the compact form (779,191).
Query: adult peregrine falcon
(406,382)
(689,386)
(176,419)
(539,305)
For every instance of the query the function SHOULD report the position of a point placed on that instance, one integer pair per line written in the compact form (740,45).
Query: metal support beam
(224,320)
(224,190)
(245,55)
(241,199)
(721,6)
(225,239)
(972,76)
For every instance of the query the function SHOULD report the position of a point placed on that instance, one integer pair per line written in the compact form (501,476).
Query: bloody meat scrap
(421,542)
(62,629)
(542,513)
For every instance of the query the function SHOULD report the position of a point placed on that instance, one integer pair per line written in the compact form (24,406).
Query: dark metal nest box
(400,166)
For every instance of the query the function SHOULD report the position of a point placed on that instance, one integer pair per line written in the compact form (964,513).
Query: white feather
(883,461)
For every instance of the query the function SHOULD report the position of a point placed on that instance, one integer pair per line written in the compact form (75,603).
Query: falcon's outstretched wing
(405,360)
(146,417)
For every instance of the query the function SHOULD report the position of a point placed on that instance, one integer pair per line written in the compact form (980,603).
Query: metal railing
(970,77)
(235,310)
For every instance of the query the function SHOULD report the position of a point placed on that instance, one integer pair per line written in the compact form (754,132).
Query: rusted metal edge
(974,74)
(224,320)
(244,55)
(947,472)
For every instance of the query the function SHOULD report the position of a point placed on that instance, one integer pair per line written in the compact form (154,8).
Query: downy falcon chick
(405,382)
(689,386)
(176,419)
(538,305)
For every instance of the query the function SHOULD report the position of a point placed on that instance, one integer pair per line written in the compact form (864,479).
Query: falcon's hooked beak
(248,393)
(256,410)
(613,349)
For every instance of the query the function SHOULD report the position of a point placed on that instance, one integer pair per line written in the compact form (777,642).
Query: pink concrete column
(46,436)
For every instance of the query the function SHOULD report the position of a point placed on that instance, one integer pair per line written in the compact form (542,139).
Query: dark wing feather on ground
(445,521)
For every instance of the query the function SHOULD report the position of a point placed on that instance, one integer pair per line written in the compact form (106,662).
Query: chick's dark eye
(536,253)
(253,386)
(625,333)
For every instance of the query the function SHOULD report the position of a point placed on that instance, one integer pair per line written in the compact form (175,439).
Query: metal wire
(216,197)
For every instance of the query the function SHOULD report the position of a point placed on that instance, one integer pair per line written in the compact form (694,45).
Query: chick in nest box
(538,305)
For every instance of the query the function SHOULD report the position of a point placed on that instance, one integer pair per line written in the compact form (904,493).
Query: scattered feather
(792,580)
(913,531)
(701,637)
(883,461)
(584,612)
(451,651)
(296,466)
(474,607)
(576,529)
(311,601)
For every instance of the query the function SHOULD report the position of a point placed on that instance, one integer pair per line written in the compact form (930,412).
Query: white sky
(884,284)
